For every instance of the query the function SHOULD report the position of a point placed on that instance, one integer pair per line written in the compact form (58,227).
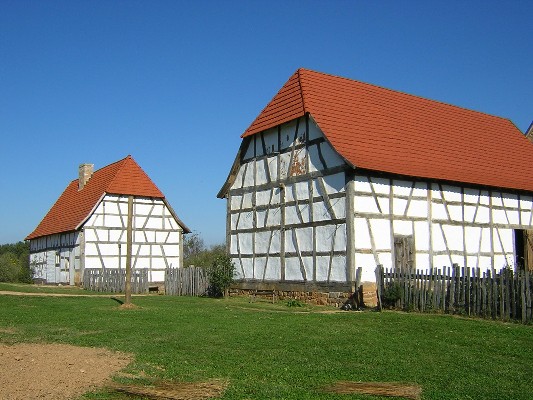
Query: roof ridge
(401,92)
(284,106)
(299,71)
(122,162)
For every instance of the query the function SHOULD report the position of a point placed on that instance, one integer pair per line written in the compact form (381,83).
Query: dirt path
(55,371)
(8,293)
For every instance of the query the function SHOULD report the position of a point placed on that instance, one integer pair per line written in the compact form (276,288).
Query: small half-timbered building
(336,174)
(86,227)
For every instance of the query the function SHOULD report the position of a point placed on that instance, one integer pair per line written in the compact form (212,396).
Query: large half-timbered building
(86,227)
(336,174)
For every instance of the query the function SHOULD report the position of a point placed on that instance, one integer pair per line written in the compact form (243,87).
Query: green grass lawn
(268,351)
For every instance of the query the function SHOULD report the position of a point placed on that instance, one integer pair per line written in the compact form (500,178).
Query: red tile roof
(124,177)
(388,131)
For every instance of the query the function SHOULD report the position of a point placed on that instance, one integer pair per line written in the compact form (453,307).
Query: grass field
(268,351)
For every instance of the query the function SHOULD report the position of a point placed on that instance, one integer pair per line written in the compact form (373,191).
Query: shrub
(294,303)
(391,294)
(220,275)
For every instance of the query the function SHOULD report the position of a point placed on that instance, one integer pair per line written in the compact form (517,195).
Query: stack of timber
(190,281)
(114,280)
(505,294)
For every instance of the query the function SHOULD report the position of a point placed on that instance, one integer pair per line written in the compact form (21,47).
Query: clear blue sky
(175,83)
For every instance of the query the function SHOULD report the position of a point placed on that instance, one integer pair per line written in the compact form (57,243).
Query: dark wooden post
(129,240)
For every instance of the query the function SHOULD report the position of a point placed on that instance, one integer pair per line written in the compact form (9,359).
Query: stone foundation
(333,294)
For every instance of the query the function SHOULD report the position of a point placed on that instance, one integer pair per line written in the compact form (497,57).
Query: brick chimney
(86,171)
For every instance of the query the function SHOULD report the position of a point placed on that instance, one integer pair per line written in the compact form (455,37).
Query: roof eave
(346,160)
(84,220)
(234,168)
(175,216)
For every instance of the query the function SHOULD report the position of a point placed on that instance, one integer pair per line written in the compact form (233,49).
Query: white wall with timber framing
(101,242)
(56,258)
(157,236)
(448,224)
(287,207)
(291,192)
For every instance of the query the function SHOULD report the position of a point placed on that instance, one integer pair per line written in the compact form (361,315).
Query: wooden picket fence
(190,281)
(505,295)
(114,280)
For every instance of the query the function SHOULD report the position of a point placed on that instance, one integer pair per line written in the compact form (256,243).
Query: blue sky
(175,83)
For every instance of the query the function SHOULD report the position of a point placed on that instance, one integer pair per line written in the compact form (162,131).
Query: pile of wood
(166,390)
(387,389)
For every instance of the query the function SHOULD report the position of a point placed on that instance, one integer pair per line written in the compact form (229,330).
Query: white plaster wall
(261,172)
(273,269)
(259,267)
(329,159)
(320,211)
(38,264)
(338,269)
(156,236)
(292,269)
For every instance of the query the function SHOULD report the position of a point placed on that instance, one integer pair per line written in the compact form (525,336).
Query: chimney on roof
(85,171)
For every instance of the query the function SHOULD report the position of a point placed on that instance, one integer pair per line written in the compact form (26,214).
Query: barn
(86,227)
(336,174)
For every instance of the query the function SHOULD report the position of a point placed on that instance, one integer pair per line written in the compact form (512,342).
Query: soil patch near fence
(55,371)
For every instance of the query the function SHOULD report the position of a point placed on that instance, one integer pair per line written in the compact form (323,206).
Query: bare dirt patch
(55,371)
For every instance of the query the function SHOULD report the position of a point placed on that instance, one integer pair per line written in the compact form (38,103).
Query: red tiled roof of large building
(124,177)
(384,130)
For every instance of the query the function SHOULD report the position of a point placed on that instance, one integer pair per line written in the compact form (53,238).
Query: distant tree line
(196,253)
(15,263)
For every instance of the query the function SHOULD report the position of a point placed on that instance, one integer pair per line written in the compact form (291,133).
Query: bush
(220,275)
(391,294)
(14,263)
(294,303)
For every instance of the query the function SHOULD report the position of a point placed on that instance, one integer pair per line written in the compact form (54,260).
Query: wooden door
(528,249)
(404,253)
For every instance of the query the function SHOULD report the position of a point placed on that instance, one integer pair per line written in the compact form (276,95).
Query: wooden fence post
(379,284)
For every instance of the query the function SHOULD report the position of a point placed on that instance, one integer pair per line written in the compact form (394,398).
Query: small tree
(206,257)
(14,263)
(193,245)
(220,275)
